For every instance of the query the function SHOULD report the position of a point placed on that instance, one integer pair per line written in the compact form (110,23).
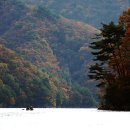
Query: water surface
(63,119)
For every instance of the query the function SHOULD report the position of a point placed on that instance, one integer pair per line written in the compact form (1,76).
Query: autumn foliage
(112,67)
(39,57)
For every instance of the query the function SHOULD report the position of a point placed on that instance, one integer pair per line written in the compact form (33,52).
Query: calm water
(63,119)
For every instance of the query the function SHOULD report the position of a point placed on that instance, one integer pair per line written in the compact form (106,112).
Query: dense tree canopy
(51,44)
(111,69)
(20,82)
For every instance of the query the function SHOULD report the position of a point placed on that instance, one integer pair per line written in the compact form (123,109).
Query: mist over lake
(63,119)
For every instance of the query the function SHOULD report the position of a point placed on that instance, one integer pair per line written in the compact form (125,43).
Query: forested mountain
(110,64)
(45,47)
(21,83)
(93,12)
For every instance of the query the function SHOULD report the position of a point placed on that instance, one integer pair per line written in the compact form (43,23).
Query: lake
(63,119)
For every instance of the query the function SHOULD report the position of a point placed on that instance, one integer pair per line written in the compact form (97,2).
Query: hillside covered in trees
(46,59)
(40,58)
(93,12)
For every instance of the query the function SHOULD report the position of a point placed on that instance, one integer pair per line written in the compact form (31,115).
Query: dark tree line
(112,64)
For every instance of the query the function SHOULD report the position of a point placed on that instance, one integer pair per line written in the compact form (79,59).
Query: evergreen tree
(110,68)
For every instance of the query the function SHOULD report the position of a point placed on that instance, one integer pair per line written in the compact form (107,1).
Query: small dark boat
(29,108)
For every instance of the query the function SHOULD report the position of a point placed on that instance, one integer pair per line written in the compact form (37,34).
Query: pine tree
(110,68)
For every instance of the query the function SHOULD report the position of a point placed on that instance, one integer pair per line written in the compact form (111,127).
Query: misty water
(63,119)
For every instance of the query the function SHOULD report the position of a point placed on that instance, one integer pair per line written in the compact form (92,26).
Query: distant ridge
(93,12)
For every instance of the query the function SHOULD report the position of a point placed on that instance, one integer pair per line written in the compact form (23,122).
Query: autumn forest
(65,54)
